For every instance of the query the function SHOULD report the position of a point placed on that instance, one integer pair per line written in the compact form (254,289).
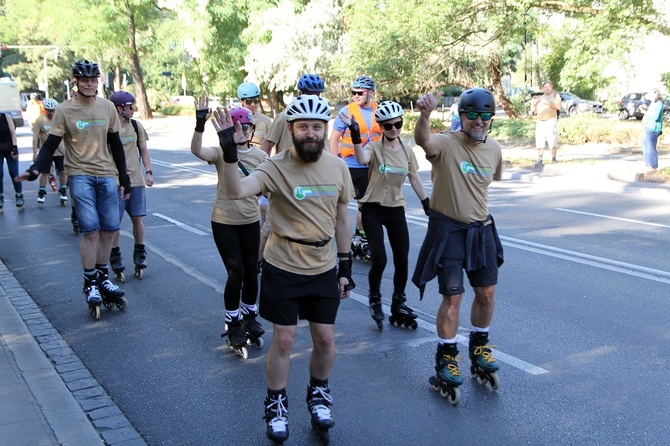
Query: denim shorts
(136,206)
(96,200)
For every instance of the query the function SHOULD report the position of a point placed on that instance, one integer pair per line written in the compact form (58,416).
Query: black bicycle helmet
(477,100)
(84,68)
(311,83)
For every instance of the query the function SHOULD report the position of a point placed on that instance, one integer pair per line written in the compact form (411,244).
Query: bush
(409,122)
(177,110)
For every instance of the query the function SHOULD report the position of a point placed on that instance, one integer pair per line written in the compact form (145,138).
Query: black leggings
(238,247)
(375,217)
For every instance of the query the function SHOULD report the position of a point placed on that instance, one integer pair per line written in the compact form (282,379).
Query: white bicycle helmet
(388,110)
(49,104)
(247,90)
(308,106)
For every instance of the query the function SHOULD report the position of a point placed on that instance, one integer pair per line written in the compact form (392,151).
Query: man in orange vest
(363,110)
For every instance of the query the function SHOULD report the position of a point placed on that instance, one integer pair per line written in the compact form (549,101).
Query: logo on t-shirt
(466,167)
(81,125)
(391,169)
(302,192)
(125,139)
(47,127)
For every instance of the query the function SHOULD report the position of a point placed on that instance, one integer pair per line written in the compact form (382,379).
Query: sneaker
(276,417)
(538,162)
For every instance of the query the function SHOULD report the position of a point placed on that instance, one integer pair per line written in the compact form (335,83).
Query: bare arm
(146,161)
(417,186)
(267,145)
(335,142)
(35,144)
(422,134)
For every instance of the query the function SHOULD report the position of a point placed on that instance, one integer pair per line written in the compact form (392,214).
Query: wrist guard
(228,145)
(355,131)
(201,119)
(344,270)
(14,151)
(426,205)
(124,180)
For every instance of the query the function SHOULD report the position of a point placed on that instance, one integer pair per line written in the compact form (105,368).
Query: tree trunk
(495,70)
(143,106)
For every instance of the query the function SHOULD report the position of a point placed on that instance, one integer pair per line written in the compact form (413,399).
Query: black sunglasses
(357,93)
(472,116)
(397,125)
(251,101)
(246,127)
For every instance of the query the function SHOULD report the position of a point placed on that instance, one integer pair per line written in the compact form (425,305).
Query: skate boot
(2,202)
(236,341)
(75,223)
(41,196)
(252,328)
(52,181)
(139,258)
(356,251)
(276,417)
(376,309)
(62,194)
(365,250)
(319,403)
(116,262)
(447,377)
(111,294)
(401,314)
(19,202)
(93,298)
(483,366)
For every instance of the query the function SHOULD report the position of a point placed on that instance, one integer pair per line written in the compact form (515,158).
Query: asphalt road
(580,329)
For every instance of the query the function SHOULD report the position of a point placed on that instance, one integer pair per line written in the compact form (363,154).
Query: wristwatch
(150,172)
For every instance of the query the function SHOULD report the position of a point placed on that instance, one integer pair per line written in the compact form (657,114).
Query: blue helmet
(248,90)
(311,83)
(365,82)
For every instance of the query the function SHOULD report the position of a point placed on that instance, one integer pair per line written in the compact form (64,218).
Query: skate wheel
(94,310)
(122,304)
(407,324)
(40,205)
(451,394)
(243,352)
(414,325)
(494,381)
(109,305)
(260,343)
(120,276)
(139,273)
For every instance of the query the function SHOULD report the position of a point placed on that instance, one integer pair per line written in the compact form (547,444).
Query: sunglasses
(358,93)
(397,125)
(251,101)
(246,127)
(472,116)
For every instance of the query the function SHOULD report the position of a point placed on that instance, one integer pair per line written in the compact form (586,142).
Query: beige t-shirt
(84,129)
(304,200)
(41,127)
(279,133)
(236,212)
(462,172)
(263,124)
(130,141)
(388,169)
(544,110)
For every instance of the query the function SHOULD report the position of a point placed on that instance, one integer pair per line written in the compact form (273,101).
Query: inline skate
(376,310)
(139,258)
(111,294)
(483,366)
(93,297)
(319,403)
(19,202)
(116,262)
(62,194)
(52,181)
(447,378)
(252,328)
(276,417)
(41,196)
(365,250)
(356,251)
(237,340)
(401,314)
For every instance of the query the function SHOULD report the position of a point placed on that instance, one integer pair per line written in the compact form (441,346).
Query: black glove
(345,270)
(14,151)
(201,119)
(228,144)
(355,131)
(426,205)
(124,181)
(31,169)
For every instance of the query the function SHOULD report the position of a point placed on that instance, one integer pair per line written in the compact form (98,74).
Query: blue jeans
(96,200)
(12,167)
(649,148)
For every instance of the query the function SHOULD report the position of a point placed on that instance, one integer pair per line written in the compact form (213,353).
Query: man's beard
(476,136)
(309,149)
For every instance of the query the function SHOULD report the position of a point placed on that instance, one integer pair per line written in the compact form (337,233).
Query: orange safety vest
(346,145)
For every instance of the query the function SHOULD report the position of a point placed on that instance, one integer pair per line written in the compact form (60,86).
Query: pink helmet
(241,115)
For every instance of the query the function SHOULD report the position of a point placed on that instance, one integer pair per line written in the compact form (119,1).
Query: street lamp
(46,79)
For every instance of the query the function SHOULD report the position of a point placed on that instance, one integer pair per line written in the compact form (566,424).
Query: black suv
(633,105)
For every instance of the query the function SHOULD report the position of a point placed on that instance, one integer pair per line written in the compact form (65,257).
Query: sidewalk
(47,396)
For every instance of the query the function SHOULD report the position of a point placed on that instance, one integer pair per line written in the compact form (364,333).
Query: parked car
(573,104)
(634,105)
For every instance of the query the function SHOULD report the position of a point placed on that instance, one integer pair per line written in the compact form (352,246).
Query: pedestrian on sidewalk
(9,152)
(309,192)
(547,107)
(652,121)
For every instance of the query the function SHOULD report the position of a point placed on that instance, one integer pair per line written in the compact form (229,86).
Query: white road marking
(180,224)
(638,222)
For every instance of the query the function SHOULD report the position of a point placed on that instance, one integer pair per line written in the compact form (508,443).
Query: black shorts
(450,275)
(287,297)
(359,176)
(58,163)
